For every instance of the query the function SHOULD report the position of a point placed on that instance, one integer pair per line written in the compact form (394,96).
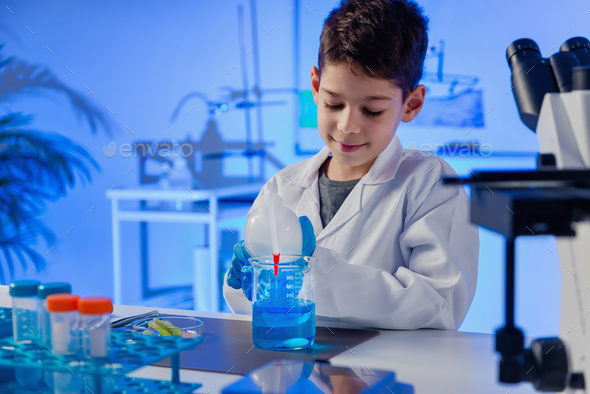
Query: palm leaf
(35,167)
(18,78)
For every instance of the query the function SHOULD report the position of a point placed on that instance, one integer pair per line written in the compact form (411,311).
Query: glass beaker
(283,306)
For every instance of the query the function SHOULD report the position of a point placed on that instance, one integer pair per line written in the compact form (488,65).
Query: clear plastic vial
(43,291)
(95,325)
(25,324)
(25,307)
(65,323)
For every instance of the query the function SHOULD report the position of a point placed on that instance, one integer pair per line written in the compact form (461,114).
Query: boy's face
(358,115)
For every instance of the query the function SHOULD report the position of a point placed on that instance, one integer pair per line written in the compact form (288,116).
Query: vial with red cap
(95,324)
(65,323)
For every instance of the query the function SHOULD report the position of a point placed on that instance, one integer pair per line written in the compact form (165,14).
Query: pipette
(276,254)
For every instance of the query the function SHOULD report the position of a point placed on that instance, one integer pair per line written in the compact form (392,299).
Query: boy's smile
(358,116)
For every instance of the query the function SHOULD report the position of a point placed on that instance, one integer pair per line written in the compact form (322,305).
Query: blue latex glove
(308,246)
(240,273)
(239,259)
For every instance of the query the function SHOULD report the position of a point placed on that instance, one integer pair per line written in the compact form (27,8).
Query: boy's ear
(315,83)
(413,103)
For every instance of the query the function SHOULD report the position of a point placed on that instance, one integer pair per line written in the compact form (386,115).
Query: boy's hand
(239,260)
(240,273)
(308,246)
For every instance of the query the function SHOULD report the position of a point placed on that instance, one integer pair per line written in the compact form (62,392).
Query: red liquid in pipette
(275,258)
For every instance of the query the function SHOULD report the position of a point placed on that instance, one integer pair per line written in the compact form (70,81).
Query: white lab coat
(400,253)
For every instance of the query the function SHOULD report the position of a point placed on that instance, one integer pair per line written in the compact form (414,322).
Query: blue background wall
(141,58)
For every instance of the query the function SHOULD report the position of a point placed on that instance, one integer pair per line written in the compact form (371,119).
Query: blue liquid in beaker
(283,323)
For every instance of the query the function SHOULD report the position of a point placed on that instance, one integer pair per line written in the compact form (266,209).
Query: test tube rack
(129,351)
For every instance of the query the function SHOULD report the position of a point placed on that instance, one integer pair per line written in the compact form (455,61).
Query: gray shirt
(332,195)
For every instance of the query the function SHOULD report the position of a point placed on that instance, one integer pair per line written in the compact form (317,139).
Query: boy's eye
(373,113)
(339,106)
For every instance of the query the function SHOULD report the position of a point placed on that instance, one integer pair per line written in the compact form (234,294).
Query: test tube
(65,323)
(24,306)
(65,338)
(25,324)
(43,291)
(95,324)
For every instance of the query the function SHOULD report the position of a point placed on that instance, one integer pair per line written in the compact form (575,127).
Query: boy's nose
(348,124)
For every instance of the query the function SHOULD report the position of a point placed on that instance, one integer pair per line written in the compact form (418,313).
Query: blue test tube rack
(129,351)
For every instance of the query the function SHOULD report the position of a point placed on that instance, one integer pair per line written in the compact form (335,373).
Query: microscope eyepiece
(525,47)
(531,79)
(534,76)
(579,46)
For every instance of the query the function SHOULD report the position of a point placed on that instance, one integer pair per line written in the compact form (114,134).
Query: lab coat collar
(386,164)
(382,170)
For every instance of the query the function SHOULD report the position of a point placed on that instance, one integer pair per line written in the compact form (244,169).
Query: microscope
(553,100)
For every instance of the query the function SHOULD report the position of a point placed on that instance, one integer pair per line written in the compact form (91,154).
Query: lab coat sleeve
(432,289)
(236,299)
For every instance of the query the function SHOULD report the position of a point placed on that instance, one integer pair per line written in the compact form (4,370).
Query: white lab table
(433,361)
(215,212)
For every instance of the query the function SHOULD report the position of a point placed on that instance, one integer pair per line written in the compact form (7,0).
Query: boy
(395,247)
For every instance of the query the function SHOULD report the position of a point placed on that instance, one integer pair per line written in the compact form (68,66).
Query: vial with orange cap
(65,323)
(95,324)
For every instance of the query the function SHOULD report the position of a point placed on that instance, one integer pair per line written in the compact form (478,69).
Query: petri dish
(191,327)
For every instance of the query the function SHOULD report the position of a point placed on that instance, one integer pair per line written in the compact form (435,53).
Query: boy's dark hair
(387,38)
